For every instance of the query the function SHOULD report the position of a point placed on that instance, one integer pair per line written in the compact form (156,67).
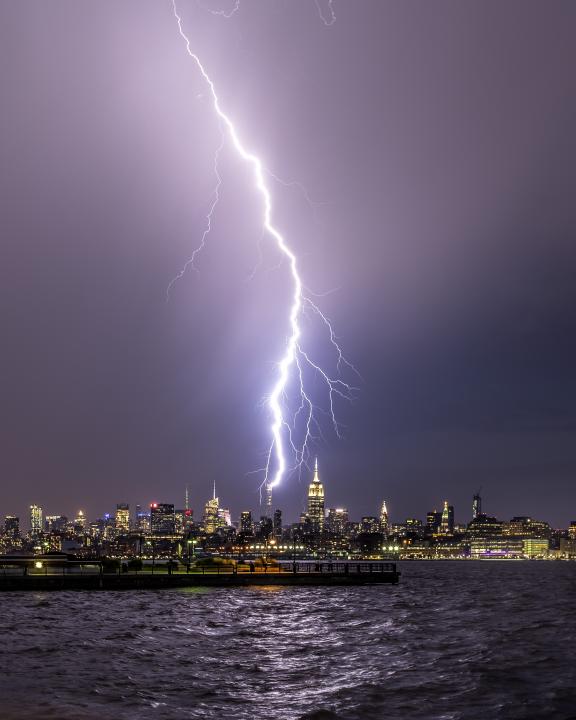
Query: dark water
(453,640)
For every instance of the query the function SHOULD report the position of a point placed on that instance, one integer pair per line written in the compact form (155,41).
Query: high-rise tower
(447,522)
(35,520)
(316,501)
(384,522)
(476,506)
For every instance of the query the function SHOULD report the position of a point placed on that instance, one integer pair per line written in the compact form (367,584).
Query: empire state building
(316,501)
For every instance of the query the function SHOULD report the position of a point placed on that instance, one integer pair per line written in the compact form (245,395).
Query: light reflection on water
(452,641)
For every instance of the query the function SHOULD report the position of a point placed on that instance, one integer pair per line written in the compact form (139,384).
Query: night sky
(437,142)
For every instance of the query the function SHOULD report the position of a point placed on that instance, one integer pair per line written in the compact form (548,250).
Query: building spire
(214,491)
(186,500)
(316,477)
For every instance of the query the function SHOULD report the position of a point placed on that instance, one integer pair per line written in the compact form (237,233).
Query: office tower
(476,506)
(265,528)
(80,521)
(224,517)
(246,522)
(433,521)
(122,518)
(35,520)
(447,520)
(211,520)
(55,524)
(316,502)
(142,520)
(337,520)
(162,521)
(384,521)
(370,524)
(277,524)
(12,527)
(572,530)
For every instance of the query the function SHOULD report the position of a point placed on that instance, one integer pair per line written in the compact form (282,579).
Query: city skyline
(458,514)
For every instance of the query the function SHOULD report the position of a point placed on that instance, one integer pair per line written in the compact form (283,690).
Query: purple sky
(438,141)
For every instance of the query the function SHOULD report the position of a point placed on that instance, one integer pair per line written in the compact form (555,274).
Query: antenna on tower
(186,500)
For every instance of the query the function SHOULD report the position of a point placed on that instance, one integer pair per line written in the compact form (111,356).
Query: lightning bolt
(296,360)
(332,18)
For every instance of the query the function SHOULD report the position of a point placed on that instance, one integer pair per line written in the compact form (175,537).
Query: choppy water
(452,640)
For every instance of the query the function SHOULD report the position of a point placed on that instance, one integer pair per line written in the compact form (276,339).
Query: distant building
(433,520)
(12,527)
(572,530)
(35,520)
(384,521)
(337,520)
(141,520)
(447,519)
(246,522)
(316,502)
(525,527)
(162,520)
(57,524)
(476,506)
(536,547)
(277,523)
(80,521)
(211,519)
(370,525)
(122,518)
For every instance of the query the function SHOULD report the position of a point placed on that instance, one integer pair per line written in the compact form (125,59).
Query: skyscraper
(246,522)
(122,517)
(211,519)
(35,520)
(384,522)
(12,527)
(447,522)
(162,520)
(476,506)
(316,502)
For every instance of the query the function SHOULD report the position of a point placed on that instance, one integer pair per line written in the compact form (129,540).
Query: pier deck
(90,576)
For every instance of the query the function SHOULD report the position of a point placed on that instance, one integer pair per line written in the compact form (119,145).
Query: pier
(18,574)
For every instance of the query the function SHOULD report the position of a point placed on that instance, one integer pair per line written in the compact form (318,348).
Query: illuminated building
(12,527)
(56,523)
(572,530)
(211,520)
(447,520)
(384,522)
(535,547)
(224,517)
(414,528)
(246,522)
(35,520)
(369,525)
(162,521)
(525,527)
(337,520)
(316,502)
(122,517)
(433,520)
(476,506)
(142,520)
(80,521)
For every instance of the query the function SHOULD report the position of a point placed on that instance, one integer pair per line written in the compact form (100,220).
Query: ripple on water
(457,641)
